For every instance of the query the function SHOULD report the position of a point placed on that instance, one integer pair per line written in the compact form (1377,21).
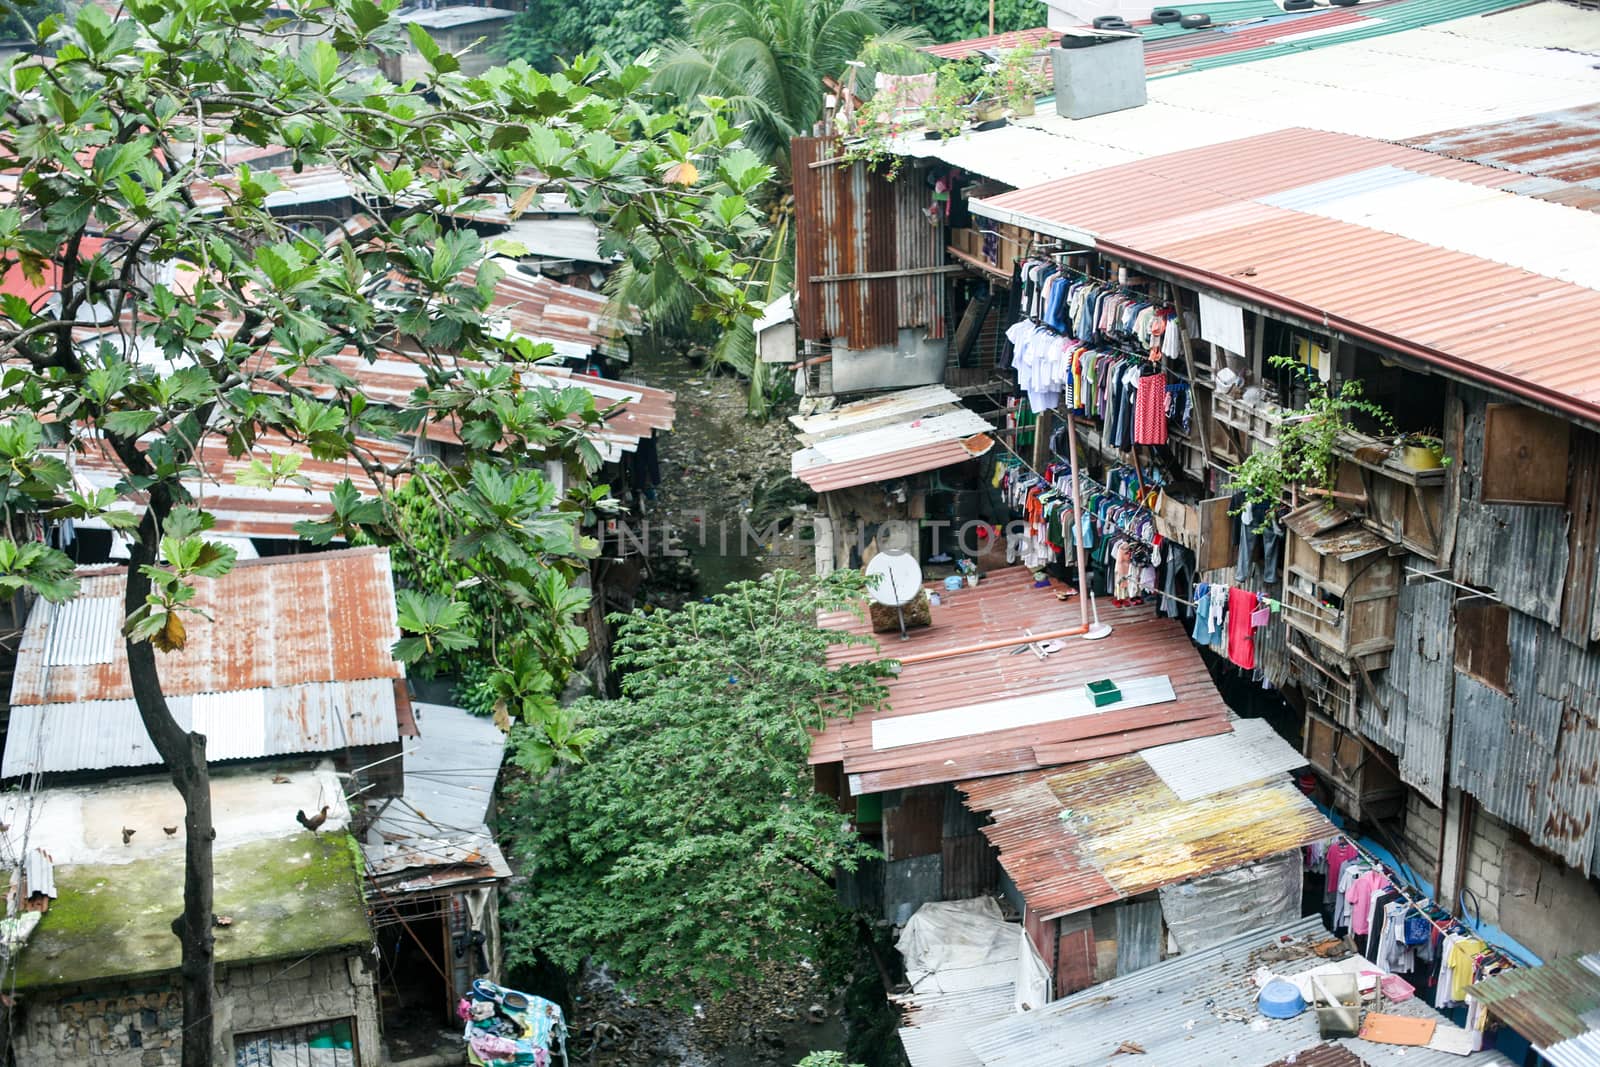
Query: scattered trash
(1132,1048)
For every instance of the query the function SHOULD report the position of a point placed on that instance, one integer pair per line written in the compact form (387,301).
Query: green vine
(1305,455)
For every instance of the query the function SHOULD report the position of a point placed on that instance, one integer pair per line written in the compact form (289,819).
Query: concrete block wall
(1485,854)
(132,1025)
(1423,823)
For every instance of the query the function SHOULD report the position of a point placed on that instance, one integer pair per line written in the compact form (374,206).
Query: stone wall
(138,1024)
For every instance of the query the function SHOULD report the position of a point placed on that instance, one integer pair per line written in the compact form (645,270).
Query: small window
(1524,456)
(327,1044)
(1483,642)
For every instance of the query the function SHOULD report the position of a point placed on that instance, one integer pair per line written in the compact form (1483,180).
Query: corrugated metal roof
(291,655)
(934,1026)
(1251,753)
(238,724)
(1003,42)
(437,826)
(253,511)
(1001,607)
(927,442)
(1560,150)
(1449,69)
(1168,1011)
(883,410)
(1548,1005)
(312,185)
(577,239)
(1321,1056)
(1075,837)
(440,18)
(1207,215)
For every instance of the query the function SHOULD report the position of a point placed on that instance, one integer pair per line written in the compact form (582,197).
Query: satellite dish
(894,578)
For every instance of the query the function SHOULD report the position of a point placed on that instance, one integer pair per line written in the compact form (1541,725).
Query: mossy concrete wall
(138,1025)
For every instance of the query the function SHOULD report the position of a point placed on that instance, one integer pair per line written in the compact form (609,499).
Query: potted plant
(1019,77)
(1304,455)
(1421,451)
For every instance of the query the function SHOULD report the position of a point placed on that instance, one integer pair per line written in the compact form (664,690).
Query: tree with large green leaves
(764,61)
(155,305)
(690,849)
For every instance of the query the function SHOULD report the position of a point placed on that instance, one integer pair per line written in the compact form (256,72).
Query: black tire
(1111,22)
(1298,5)
(1344,3)
(1195,22)
(1163,15)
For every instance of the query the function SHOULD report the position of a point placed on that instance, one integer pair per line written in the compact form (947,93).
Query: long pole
(991,18)
(1077,513)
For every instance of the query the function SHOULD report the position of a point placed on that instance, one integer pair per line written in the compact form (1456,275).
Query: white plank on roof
(995,715)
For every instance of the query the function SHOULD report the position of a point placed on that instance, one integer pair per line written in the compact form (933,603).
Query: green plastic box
(1103,692)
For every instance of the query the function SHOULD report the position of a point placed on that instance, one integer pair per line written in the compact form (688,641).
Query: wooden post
(1042,430)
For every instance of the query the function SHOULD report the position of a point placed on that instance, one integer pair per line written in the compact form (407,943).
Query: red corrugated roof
(1002,606)
(898,464)
(1076,837)
(1199,215)
(1003,41)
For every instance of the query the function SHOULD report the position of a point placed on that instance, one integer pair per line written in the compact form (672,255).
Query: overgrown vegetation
(690,849)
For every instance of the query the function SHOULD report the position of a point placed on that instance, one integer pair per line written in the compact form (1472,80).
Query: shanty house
(293,683)
(434,870)
(1119,833)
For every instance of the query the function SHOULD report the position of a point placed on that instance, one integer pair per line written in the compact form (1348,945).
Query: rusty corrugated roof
(1450,262)
(292,655)
(1326,1055)
(1552,1005)
(1075,837)
(251,511)
(1559,151)
(286,620)
(1001,606)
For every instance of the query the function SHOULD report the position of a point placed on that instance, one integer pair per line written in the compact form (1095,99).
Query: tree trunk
(184,754)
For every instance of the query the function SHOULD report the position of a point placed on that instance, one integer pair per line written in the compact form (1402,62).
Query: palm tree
(768,60)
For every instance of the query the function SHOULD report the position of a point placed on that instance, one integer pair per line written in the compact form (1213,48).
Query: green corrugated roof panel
(1222,12)
(1396,18)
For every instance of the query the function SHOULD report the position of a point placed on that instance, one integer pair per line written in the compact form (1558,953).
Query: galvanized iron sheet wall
(853,220)
(1518,550)
(1411,715)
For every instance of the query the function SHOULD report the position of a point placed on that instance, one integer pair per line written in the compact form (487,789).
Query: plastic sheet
(1209,910)
(955,945)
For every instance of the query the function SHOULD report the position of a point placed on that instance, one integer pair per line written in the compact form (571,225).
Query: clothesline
(1445,927)
(1270,600)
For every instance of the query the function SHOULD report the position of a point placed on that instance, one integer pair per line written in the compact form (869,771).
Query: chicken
(279,779)
(314,823)
(170,831)
(127,835)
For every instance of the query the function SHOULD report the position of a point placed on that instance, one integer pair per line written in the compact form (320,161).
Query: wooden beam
(908,272)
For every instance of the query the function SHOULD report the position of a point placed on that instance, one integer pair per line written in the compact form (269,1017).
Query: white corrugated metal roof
(1536,235)
(937,1023)
(564,238)
(439,18)
(1459,73)
(885,410)
(243,724)
(436,828)
(1251,753)
(1168,1010)
(912,433)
